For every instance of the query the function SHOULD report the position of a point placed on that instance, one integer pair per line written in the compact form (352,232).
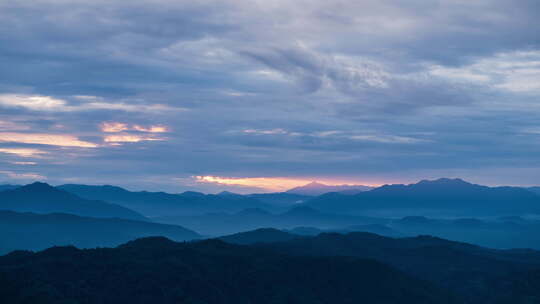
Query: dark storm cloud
(363,90)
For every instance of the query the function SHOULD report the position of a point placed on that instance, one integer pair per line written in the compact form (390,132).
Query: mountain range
(316,189)
(443,197)
(43,198)
(498,217)
(437,198)
(161,203)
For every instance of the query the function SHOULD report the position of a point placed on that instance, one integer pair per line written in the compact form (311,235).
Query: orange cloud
(45,139)
(274,184)
(23,152)
(130,138)
(113,127)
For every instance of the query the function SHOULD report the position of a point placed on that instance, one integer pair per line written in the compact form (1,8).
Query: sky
(257,96)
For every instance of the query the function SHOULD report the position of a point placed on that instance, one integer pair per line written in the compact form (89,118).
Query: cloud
(151,129)
(390,139)
(24,152)
(374,88)
(36,103)
(50,104)
(45,139)
(23,176)
(115,127)
(12,126)
(341,135)
(517,72)
(26,163)
(265,132)
(129,138)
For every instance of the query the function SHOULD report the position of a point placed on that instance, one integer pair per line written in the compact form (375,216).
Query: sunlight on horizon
(277,184)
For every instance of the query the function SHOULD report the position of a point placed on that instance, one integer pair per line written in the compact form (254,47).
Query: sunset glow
(150,129)
(274,184)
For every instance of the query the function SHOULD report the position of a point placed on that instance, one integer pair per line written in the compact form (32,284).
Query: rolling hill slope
(43,198)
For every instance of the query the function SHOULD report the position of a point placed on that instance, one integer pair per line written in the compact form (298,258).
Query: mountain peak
(445,181)
(37,187)
(228,193)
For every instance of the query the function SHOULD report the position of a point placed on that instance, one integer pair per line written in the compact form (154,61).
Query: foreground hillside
(475,274)
(156,270)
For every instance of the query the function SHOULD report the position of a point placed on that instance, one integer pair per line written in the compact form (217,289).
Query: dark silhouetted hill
(156,270)
(442,197)
(262,235)
(371,228)
(43,198)
(467,270)
(31,231)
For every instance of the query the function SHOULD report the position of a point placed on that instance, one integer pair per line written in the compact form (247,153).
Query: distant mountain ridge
(43,198)
(161,203)
(536,190)
(441,197)
(316,189)
(8,187)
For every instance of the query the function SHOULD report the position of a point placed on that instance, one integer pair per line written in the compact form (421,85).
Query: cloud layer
(152,94)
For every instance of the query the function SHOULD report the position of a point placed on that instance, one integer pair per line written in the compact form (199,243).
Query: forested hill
(157,270)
